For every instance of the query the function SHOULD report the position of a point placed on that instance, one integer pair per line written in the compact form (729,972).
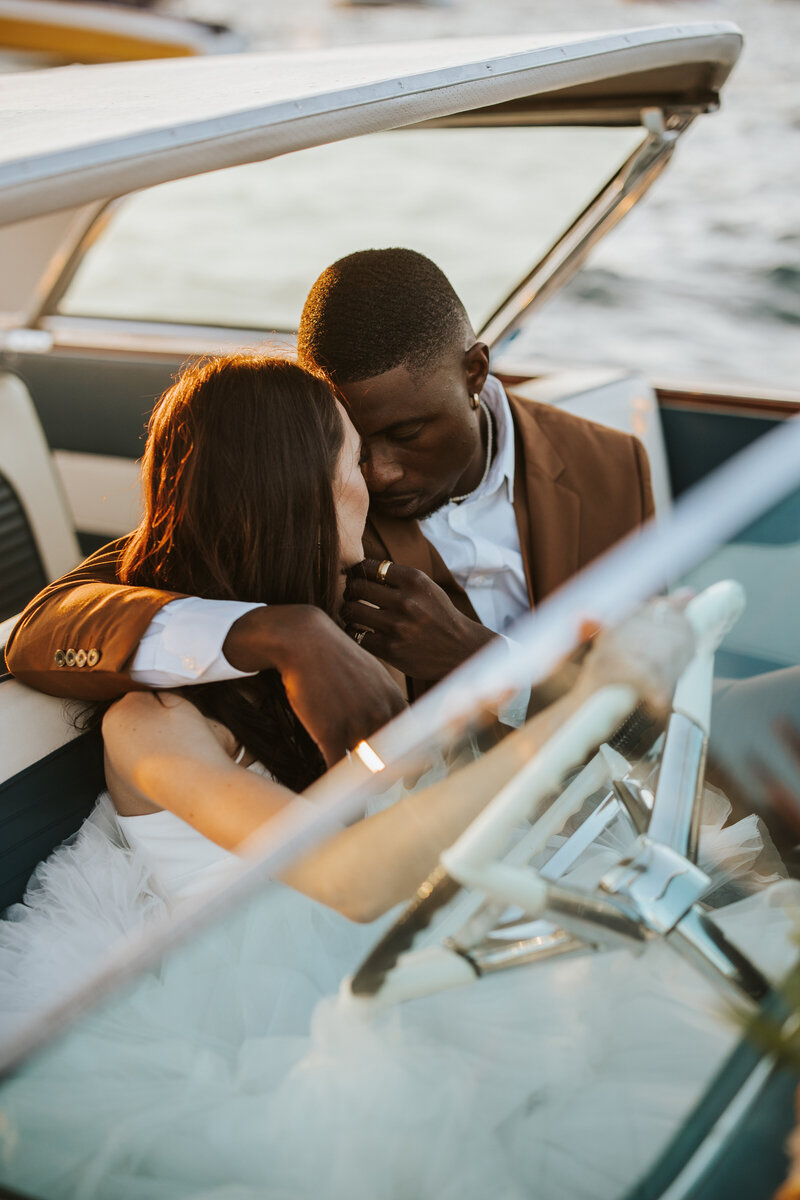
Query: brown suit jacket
(579,488)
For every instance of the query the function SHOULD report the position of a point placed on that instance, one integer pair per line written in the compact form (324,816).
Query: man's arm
(339,692)
(78,637)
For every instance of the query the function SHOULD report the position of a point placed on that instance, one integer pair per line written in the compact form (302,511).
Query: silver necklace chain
(489,449)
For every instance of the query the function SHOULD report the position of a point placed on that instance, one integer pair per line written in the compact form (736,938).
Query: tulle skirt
(235,1071)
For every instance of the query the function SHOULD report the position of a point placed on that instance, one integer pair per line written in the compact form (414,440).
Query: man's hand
(411,622)
(338,691)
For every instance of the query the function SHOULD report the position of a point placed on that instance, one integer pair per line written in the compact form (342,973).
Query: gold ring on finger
(383,570)
(359,637)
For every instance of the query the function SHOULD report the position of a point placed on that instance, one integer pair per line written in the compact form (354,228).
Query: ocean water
(702,281)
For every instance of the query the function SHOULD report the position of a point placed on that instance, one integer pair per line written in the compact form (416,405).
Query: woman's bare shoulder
(140,712)
(146,706)
(156,717)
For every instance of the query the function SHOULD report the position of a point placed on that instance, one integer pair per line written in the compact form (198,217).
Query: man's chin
(432,507)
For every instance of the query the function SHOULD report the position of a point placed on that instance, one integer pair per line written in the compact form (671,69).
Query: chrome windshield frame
(613,202)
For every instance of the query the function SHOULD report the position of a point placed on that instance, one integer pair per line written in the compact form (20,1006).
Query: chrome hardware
(600,921)
(586,833)
(497,953)
(26,341)
(676,812)
(636,799)
(699,940)
(524,915)
(659,883)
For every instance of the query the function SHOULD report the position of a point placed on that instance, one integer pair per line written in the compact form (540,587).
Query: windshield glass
(240,247)
(598,911)
(677,293)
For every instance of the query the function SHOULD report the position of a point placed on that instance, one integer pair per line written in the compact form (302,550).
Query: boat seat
(50,776)
(37,537)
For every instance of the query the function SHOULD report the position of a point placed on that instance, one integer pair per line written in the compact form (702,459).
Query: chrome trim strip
(675,819)
(495,955)
(507,116)
(578,841)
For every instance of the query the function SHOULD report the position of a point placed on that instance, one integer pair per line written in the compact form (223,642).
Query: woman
(231,1071)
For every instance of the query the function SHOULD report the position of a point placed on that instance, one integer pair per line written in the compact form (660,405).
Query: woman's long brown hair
(237,479)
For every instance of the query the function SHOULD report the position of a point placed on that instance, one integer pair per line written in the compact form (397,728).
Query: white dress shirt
(183,643)
(477,539)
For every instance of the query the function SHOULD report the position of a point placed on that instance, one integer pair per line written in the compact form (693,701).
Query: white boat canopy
(82,133)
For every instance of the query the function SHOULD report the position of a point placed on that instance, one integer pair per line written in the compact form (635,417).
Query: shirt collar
(501,471)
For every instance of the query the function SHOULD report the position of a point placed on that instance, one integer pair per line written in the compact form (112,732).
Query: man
(482,504)
(495,499)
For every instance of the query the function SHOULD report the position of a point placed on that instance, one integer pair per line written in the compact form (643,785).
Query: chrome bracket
(659,883)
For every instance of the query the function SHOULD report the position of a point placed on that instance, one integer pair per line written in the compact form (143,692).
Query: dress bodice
(183,862)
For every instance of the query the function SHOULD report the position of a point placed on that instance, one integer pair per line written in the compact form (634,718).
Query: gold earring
(476,400)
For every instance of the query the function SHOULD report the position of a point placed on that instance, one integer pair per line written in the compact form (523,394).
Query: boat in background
(54,32)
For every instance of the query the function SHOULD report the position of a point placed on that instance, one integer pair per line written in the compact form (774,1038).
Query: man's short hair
(376,310)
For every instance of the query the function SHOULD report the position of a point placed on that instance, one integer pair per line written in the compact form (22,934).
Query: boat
(53,32)
(171,144)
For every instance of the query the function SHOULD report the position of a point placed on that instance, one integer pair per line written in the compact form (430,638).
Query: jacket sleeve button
(69,658)
(92,658)
(60,658)
(80,658)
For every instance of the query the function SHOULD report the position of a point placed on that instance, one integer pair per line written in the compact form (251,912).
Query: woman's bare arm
(168,753)
(165,752)
(380,861)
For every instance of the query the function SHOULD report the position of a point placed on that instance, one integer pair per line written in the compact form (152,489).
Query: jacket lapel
(547,511)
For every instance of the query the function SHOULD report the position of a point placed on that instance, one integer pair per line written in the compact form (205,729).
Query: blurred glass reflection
(542,1052)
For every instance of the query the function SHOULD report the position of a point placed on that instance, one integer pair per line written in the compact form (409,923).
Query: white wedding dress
(233,1071)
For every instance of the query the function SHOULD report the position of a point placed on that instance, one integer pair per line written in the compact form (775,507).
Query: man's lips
(393,503)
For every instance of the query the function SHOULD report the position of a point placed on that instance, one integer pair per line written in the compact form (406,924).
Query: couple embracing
(484,502)
(265,484)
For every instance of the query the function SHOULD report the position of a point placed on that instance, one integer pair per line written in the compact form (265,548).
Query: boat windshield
(546,1013)
(237,247)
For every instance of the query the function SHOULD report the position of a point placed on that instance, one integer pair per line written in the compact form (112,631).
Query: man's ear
(476,365)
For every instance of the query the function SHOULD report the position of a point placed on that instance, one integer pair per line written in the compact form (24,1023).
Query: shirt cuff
(183,643)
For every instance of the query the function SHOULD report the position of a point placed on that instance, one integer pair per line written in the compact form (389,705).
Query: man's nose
(381,471)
